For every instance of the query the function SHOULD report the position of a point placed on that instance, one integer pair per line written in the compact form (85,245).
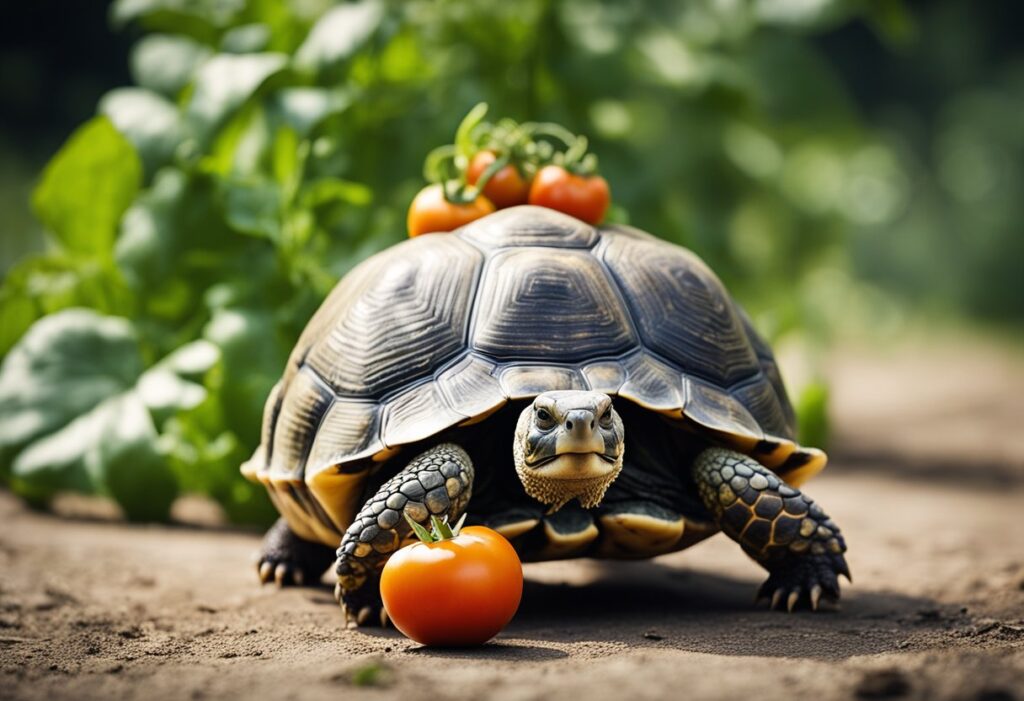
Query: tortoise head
(569,445)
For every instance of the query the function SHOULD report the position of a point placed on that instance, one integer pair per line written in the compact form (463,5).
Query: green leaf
(42,284)
(166,63)
(253,354)
(339,34)
(245,39)
(325,191)
(17,312)
(225,82)
(148,120)
(286,158)
(130,468)
(197,18)
(253,208)
(193,360)
(111,450)
(77,410)
(175,383)
(145,250)
(64,366)
(171,231)
(87,187)
(304,108)
(812,415)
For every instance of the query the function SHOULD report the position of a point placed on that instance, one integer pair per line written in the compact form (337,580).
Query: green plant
(267,147)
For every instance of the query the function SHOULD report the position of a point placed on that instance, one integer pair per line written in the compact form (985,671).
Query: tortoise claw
(843,568)
(266,572)
(806,580)
(364,616)
(794,596)
(385,620)
(815,596)
(280,574)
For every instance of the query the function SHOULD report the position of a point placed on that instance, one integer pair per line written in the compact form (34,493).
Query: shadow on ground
(648,603)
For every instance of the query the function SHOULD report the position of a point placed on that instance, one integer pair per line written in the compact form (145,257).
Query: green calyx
(439,530)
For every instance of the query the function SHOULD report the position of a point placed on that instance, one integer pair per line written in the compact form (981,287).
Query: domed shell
(442,330)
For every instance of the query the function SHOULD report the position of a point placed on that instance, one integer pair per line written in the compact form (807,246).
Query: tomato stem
(464,144)
(422,533)
(489,172)
(441,528)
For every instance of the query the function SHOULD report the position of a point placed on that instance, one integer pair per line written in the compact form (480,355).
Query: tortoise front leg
(777,525)
(437,482)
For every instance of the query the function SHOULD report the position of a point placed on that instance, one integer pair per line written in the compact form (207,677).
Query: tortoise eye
(606,417)
(543,416)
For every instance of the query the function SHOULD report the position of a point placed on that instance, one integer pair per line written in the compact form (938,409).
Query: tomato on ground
(506,188)
(459,591)
(585,197)
(431,212)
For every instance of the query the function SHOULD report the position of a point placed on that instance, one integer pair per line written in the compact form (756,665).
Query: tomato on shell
(506,188)
(431,211)
(585,197)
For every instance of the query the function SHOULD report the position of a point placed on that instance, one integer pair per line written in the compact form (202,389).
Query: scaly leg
(438,482)
(777,525)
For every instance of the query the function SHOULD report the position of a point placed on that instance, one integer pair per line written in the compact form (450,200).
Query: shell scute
(530,226)
(680,308)
(400,319)
(535,306)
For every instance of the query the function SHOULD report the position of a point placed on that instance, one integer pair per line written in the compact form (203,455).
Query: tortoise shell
(443,330)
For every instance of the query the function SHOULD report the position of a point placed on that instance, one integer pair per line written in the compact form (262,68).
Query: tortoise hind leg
(437,482)
(286,558)
(777,525)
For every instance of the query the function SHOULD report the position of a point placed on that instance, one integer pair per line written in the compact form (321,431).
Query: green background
(848,168)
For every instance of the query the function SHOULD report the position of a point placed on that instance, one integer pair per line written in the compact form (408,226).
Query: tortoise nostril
(568,425)
(591,424)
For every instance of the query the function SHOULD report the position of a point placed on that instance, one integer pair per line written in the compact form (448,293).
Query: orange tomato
(430,212)
(584,197)
(506,188)
(460,591)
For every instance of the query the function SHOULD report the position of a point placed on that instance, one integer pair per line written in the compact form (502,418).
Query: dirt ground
(927,482)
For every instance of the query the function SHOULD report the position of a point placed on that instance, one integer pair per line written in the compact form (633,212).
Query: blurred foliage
(948,100)
(268,146)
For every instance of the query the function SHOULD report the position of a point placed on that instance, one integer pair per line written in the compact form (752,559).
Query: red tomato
(460,591)
(506,188)
(584,197)
(430,212)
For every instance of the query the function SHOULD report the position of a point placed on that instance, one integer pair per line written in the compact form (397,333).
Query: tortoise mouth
(537,464)
(568,476)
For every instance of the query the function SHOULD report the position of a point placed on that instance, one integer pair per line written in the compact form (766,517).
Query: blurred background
(183,181)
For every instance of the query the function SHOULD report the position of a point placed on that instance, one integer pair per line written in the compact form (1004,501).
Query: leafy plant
(267,147)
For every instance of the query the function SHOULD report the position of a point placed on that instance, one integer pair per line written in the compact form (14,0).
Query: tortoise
(475,372)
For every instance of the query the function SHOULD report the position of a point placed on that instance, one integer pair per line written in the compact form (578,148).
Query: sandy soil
(93,610)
